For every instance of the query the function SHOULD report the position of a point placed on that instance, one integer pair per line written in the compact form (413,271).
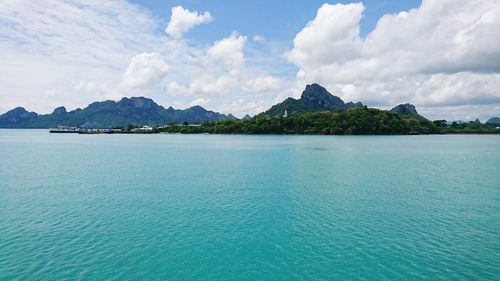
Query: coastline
(256,134)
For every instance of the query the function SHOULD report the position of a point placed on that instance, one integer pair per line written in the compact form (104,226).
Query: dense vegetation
(357,121)
(473,127)
(316,112)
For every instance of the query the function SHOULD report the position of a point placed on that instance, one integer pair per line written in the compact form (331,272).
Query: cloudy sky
(243,56)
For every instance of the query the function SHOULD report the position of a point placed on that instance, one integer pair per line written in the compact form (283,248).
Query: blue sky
(277,19)
(241,57)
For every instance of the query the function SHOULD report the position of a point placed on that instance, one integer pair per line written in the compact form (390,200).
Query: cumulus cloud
(262,84)
(333,36)
(79,51)
(229,50)
(443,56)
(442,53)
(214,72)
(203,85)
(145,70)
(220,74)
(182,20)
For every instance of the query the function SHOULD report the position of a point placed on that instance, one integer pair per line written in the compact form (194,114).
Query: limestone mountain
(405,109)
(313,99)
(135,110)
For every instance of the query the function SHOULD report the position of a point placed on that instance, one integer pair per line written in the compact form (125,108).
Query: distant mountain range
(136,111)
(141,111)
(313,99)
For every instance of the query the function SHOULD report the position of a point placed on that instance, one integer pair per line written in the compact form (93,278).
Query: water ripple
(249,208)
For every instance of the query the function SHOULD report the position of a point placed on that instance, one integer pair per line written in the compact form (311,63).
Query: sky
(241,57)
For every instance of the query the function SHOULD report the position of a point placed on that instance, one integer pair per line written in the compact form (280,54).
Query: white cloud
(145,70)
(50,94)
(333,36)
(262,84)
(443,53)
(229,50)
(89,32)
(53,45)
(259,38)
(78,52)
(183,20)
(203,85)
(461,112)
(443,56)
(440,36)
(200,102)
(220,73)
(464,88)
(242,106)
(214,72)
(97,89)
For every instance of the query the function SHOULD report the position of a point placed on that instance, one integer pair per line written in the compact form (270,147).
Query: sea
(240,207)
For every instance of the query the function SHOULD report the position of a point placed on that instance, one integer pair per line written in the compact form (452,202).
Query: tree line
(357,121)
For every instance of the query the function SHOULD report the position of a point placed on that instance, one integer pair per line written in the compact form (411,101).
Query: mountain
(18,115)
(407,109)
(231,117)
(105,114)
(493,120)
(314,98)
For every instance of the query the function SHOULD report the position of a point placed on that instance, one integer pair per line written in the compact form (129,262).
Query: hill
(106,114)
(314,98)
(493,120)
(407,110)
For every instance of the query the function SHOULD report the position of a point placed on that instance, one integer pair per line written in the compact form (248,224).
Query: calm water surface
(200,207)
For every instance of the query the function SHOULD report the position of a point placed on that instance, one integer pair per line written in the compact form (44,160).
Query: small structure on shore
(99,131)
(178,125)
(64,130)
(142,130)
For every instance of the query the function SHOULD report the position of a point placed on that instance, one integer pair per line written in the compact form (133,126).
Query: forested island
(356,121)
(316,112)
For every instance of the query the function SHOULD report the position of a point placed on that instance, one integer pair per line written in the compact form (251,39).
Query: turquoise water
(202,207)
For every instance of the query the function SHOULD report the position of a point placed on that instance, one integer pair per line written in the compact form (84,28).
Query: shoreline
(153,132)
